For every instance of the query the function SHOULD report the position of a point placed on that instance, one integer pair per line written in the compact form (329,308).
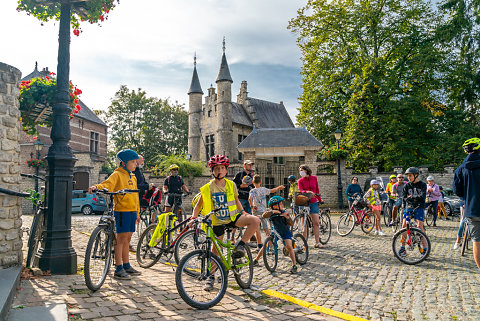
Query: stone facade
(10,211)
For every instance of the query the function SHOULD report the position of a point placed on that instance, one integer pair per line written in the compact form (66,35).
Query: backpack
(151,197)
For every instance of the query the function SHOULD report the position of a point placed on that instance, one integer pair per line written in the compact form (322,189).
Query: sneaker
(392,223)
(376,232)
(209,283)
(238,253)
(255,262)
(456,245)
(380,233)
(434,224)
(121,275)
(402,252)
(294,269)
(132,271)
(131,248)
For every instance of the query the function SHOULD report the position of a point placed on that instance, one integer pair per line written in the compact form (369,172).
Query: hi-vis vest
(207,202)
(371,197)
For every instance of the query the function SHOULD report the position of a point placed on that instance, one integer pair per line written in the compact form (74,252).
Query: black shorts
(219,230)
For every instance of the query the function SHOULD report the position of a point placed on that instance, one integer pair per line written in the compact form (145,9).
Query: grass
(80,291)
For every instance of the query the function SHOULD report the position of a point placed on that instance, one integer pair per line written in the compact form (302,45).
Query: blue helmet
(126,155)
(291,178)
(275,200)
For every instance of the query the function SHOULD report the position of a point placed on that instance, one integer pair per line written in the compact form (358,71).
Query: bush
(187,168)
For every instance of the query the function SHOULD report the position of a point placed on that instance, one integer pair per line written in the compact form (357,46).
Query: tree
(372,68)
(148,125)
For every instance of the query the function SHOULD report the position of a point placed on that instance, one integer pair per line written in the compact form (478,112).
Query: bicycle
(270,249)
(177,208)
(359,214)
(465,238)
(417,242)
(398,220)
(201,265)
(302,222)
(148,215)
(100,246)
(37,231)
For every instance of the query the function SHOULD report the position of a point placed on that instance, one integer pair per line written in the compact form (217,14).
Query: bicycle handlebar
(32,176)
(122,191)
(13,193)
(178,194)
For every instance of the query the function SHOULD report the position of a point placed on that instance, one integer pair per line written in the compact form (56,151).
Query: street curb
(9,280)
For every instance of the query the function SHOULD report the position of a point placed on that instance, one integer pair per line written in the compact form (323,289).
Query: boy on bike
(221,193)
(372,197)
(414,194)
(126,210)
(281,223)
(173,184)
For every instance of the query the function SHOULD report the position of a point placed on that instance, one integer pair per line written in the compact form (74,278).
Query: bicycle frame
(358,214)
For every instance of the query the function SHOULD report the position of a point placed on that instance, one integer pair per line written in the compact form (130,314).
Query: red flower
(76,32)
(75,101)
(53,74)
(78,107)
(102,18)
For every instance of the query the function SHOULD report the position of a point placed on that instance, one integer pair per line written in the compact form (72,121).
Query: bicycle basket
(302,200)
(151,198)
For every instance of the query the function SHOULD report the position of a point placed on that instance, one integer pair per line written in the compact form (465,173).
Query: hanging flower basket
(93,11)
(37,96)
(33,162)
(334,153)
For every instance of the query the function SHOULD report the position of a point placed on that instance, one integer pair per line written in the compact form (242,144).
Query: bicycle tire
(181,277)
(300,246)
(368,222)
(239,273)
(185,241)
(35,237)
(299,226)
(270,251)
(324,227)
(465,239)
(343,224)
(147,256)
(97,249)
(414,232)
(387,215)
(429,216)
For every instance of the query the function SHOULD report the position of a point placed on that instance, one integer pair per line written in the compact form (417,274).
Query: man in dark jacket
(466,184)
(244,182)
(142,184)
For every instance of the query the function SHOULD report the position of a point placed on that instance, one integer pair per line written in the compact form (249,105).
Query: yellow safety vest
(371,197)
(207,201)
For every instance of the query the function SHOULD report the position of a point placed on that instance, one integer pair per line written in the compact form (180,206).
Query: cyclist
(126,210)
(173,184)
(433,193)
(414,194)
(281,222)
(389,190)
(292,180)
(466,184)
(221,193)
(373,199)
(352,190)
(397,191)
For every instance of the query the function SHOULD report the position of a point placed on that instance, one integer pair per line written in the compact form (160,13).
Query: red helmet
(218,160)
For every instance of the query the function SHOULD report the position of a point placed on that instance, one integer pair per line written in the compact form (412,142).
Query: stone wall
(10,211)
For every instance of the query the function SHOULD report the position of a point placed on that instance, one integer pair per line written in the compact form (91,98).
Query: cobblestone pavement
(357,275)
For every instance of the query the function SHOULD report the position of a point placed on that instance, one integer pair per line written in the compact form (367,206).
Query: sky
(150,44)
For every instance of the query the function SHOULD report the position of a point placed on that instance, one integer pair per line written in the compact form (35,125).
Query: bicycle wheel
(186,243)
(98,257)
(429,216)
(191,286)
(147,256)
(325,227)
(270,254)
(346,224)
(141,226)
(300,247)
(415,252)
(35,238)
(299,225)
(465,238)
(387,215)
(243,268)
(368,222)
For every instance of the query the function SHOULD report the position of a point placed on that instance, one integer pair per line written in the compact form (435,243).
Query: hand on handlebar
(91,189)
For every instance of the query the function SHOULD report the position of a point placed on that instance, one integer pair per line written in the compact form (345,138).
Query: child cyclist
(221,193)
(414,194)
(281,223)
(126,210)
(373,199)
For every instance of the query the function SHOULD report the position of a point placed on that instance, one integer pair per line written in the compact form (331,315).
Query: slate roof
(271,115)
(224,72)
(195,84)
(240,116)
(279,137)
(35,73)
(87,114)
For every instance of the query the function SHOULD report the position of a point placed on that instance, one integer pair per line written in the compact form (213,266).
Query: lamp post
(56,253)
(38,147)
(338,135)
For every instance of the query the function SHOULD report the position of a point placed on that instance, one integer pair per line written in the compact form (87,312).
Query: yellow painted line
(312,306)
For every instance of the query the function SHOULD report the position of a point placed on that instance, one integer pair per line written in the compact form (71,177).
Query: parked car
(87,203)
(451,202)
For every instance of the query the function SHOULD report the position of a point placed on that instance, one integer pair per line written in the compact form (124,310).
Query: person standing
(142,184)
(397,191)
(466,184)
(353,189)
(433,193)
(174,184)
(441,204)
(389,190)
(372,197)
(244,182)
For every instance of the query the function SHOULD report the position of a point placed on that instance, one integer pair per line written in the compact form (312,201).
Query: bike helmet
(247,179)
(430,178)
(275,200)
(471,145)
(373,182)
(393,176)
(218,160)
(412,170)
(195,200)
(292,178)
(173,167)
(126,155)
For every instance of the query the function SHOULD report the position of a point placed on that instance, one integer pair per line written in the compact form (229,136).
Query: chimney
(242,96)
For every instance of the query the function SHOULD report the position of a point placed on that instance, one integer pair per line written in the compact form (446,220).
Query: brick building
(88,142)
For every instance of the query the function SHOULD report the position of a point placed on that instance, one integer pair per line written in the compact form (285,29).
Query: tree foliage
(150,126)
(377,70)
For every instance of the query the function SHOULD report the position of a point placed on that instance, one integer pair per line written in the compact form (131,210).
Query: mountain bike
(37,230)
(201,265)
(359,214)
(100,246)
(270,249)
(302,222)
(415,243)
(148,215)
(177,207)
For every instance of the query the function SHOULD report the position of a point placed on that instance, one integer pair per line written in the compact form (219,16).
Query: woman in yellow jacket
(126,210)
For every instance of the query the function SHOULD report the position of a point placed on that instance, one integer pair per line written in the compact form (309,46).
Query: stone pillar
(10,206)
(450,169)
(373,170)
(398,169)
(423,172)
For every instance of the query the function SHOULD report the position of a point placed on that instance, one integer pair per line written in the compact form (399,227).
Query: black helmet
(412,170)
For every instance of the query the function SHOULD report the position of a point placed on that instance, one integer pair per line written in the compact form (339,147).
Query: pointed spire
(36,65)
(195,87)
(224,72)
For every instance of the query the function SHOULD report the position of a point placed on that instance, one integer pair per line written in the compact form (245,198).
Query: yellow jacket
(121,179)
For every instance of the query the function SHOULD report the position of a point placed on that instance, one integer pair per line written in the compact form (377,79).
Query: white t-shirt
(259,198)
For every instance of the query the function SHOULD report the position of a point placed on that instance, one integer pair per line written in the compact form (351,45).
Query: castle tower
(224,132)
(195,94)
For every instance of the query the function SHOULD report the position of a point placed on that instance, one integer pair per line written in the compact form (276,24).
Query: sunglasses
(400,177)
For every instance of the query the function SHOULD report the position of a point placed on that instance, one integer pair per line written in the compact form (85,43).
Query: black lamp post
(56,253)
(338,135)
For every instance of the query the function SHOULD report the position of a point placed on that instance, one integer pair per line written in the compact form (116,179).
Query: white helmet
(373,182)
(430,178)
